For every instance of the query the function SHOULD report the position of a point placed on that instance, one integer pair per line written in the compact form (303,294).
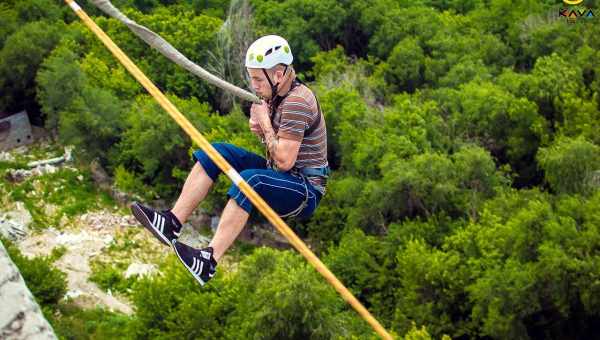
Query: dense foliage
(463,135)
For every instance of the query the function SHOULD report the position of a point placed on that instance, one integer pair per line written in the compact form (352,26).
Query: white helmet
(269,51)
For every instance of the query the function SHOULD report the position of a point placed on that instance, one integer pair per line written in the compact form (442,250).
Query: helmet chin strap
(274,87)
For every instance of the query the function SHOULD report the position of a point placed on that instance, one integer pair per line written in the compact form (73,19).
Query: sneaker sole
(143,219)
(202,283)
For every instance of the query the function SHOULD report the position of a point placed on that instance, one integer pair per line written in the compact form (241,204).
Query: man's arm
(283,151)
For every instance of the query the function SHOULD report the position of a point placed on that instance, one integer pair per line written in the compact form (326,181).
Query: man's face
(259,82)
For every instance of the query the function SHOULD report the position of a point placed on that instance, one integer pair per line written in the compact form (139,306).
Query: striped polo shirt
(294,116)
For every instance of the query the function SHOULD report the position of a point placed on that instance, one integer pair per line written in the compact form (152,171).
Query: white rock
(69,153)
(140,269)
(44,169)
(6,157)
(73,239)
(50,209)
(73,294)
(108,239)
(14,224)
(18,175)
(21,150)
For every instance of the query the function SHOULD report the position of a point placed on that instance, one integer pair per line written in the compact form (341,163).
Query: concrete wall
(15,131)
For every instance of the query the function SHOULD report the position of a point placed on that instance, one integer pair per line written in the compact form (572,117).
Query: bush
(571,165)
(109,277)
(427,185)
(75,323)
(404,68)
(272,295)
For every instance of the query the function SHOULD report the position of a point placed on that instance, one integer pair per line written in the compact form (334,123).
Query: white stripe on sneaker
(158,222)
(154,219)
(199,272)
(196,264)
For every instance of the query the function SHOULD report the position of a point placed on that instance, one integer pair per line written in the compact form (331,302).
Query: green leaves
(20,58)
(571,166)
(426,185)
(273,294)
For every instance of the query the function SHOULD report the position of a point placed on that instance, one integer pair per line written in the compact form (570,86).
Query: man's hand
(260,112)
(283,151)
(255,127)
(259,119)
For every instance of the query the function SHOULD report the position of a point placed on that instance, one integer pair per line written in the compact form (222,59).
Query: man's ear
(278,71)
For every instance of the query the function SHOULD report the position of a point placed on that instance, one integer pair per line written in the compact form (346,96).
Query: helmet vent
(269,51)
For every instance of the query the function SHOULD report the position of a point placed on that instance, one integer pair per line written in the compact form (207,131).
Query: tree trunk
(20,315)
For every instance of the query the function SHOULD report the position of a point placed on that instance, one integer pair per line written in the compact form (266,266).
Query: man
(291,180)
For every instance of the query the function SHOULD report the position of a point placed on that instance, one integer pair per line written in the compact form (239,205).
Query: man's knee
(251,176)
(221,147)
(207,164)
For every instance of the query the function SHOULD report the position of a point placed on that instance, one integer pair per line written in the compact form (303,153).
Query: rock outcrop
(20,315)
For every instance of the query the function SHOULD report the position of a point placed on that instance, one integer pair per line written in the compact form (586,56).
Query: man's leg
(166,225)
(283,192)
(233,220)
(204,172)
(202,263)
(194,190)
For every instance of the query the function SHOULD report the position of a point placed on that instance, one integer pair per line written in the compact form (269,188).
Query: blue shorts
(284,192)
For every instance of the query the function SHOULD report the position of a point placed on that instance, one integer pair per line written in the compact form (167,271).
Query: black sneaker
(199,262)
(164,225)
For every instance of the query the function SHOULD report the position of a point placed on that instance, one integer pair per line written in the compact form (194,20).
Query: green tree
(426,185)
(388,24)
(8,22)
(403,69)
(149,130)
(308,25)
(430,290)
(59,82)
(37,10)
(465,71)
(93,122)
(273,294)
(571,165)
(20,58)
(508,126)
(542,37)
(579,117)
(523,257)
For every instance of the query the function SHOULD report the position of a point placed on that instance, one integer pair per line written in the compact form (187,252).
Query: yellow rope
(256,200)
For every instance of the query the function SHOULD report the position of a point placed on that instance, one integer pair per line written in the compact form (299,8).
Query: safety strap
(304,203)
(279,99)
